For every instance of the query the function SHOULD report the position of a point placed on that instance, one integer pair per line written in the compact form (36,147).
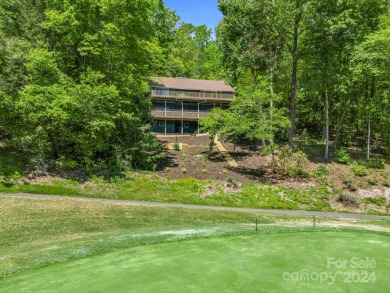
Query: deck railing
(175,94)
(179,114)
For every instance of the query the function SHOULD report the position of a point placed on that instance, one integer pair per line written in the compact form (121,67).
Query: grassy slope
(235,264)
(188,190)
(149,187)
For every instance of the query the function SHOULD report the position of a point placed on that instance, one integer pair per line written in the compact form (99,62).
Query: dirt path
(225,153)
(190,206)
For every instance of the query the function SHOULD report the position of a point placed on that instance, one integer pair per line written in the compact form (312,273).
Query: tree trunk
(368,136)
(294,71)
(326,125)
(271,83)
(271,104)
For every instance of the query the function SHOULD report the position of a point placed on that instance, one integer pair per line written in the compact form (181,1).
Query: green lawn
(36,232)
(246,263)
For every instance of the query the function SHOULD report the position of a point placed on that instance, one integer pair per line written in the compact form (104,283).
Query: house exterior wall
(179,111)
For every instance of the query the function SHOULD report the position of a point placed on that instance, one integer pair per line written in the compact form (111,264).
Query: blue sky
(197,11)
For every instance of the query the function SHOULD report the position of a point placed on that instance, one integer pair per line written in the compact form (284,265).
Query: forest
(74,76)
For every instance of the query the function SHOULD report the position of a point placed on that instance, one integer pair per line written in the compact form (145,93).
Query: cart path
(200,207)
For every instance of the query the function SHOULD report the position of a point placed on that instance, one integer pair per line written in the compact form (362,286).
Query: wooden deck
(196,96)
(179,115)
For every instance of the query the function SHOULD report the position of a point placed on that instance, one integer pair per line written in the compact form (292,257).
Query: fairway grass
(39,232)
(246,263)
(71,245)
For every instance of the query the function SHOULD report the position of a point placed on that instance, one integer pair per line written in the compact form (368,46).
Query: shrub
(348,199)
(167,169)
(304,138)
(343,156)
(379,201)
(224,171)
(293,163)
(386,184)
(200,157)
(372,181)
(204,170)
(359,170)
(321,170)
(176,146)
(350,185)
(375,163)
(231,182)
(184,170)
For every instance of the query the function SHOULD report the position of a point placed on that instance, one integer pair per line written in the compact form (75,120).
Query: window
(159,105)
(161,123)
(186,125)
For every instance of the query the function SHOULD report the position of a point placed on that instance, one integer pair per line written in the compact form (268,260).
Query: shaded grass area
(245,263)
(187,191)
(36,232)
(12,165)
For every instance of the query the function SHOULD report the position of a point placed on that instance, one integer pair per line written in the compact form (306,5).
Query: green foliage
(232,182)
(192,53)
(359,170)
(176,145)
(304,139)
(213,125)
(73,75)
(343,156)
(42,68)
(379,201)
(350,184)
(375,163)
(12,165)
(82,123)
(293,163)
(73,86)
(321,170)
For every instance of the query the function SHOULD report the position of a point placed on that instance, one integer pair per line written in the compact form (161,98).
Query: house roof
(192,84)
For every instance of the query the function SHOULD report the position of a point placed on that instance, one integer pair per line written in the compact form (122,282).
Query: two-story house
(179,103)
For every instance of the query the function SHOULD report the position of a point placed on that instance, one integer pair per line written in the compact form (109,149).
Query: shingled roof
(191,84)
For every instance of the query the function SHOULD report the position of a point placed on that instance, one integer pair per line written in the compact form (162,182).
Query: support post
(257,224)
(182,126)
(314,221)
(165,127)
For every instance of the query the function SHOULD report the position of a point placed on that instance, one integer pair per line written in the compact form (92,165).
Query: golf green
(280,262)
